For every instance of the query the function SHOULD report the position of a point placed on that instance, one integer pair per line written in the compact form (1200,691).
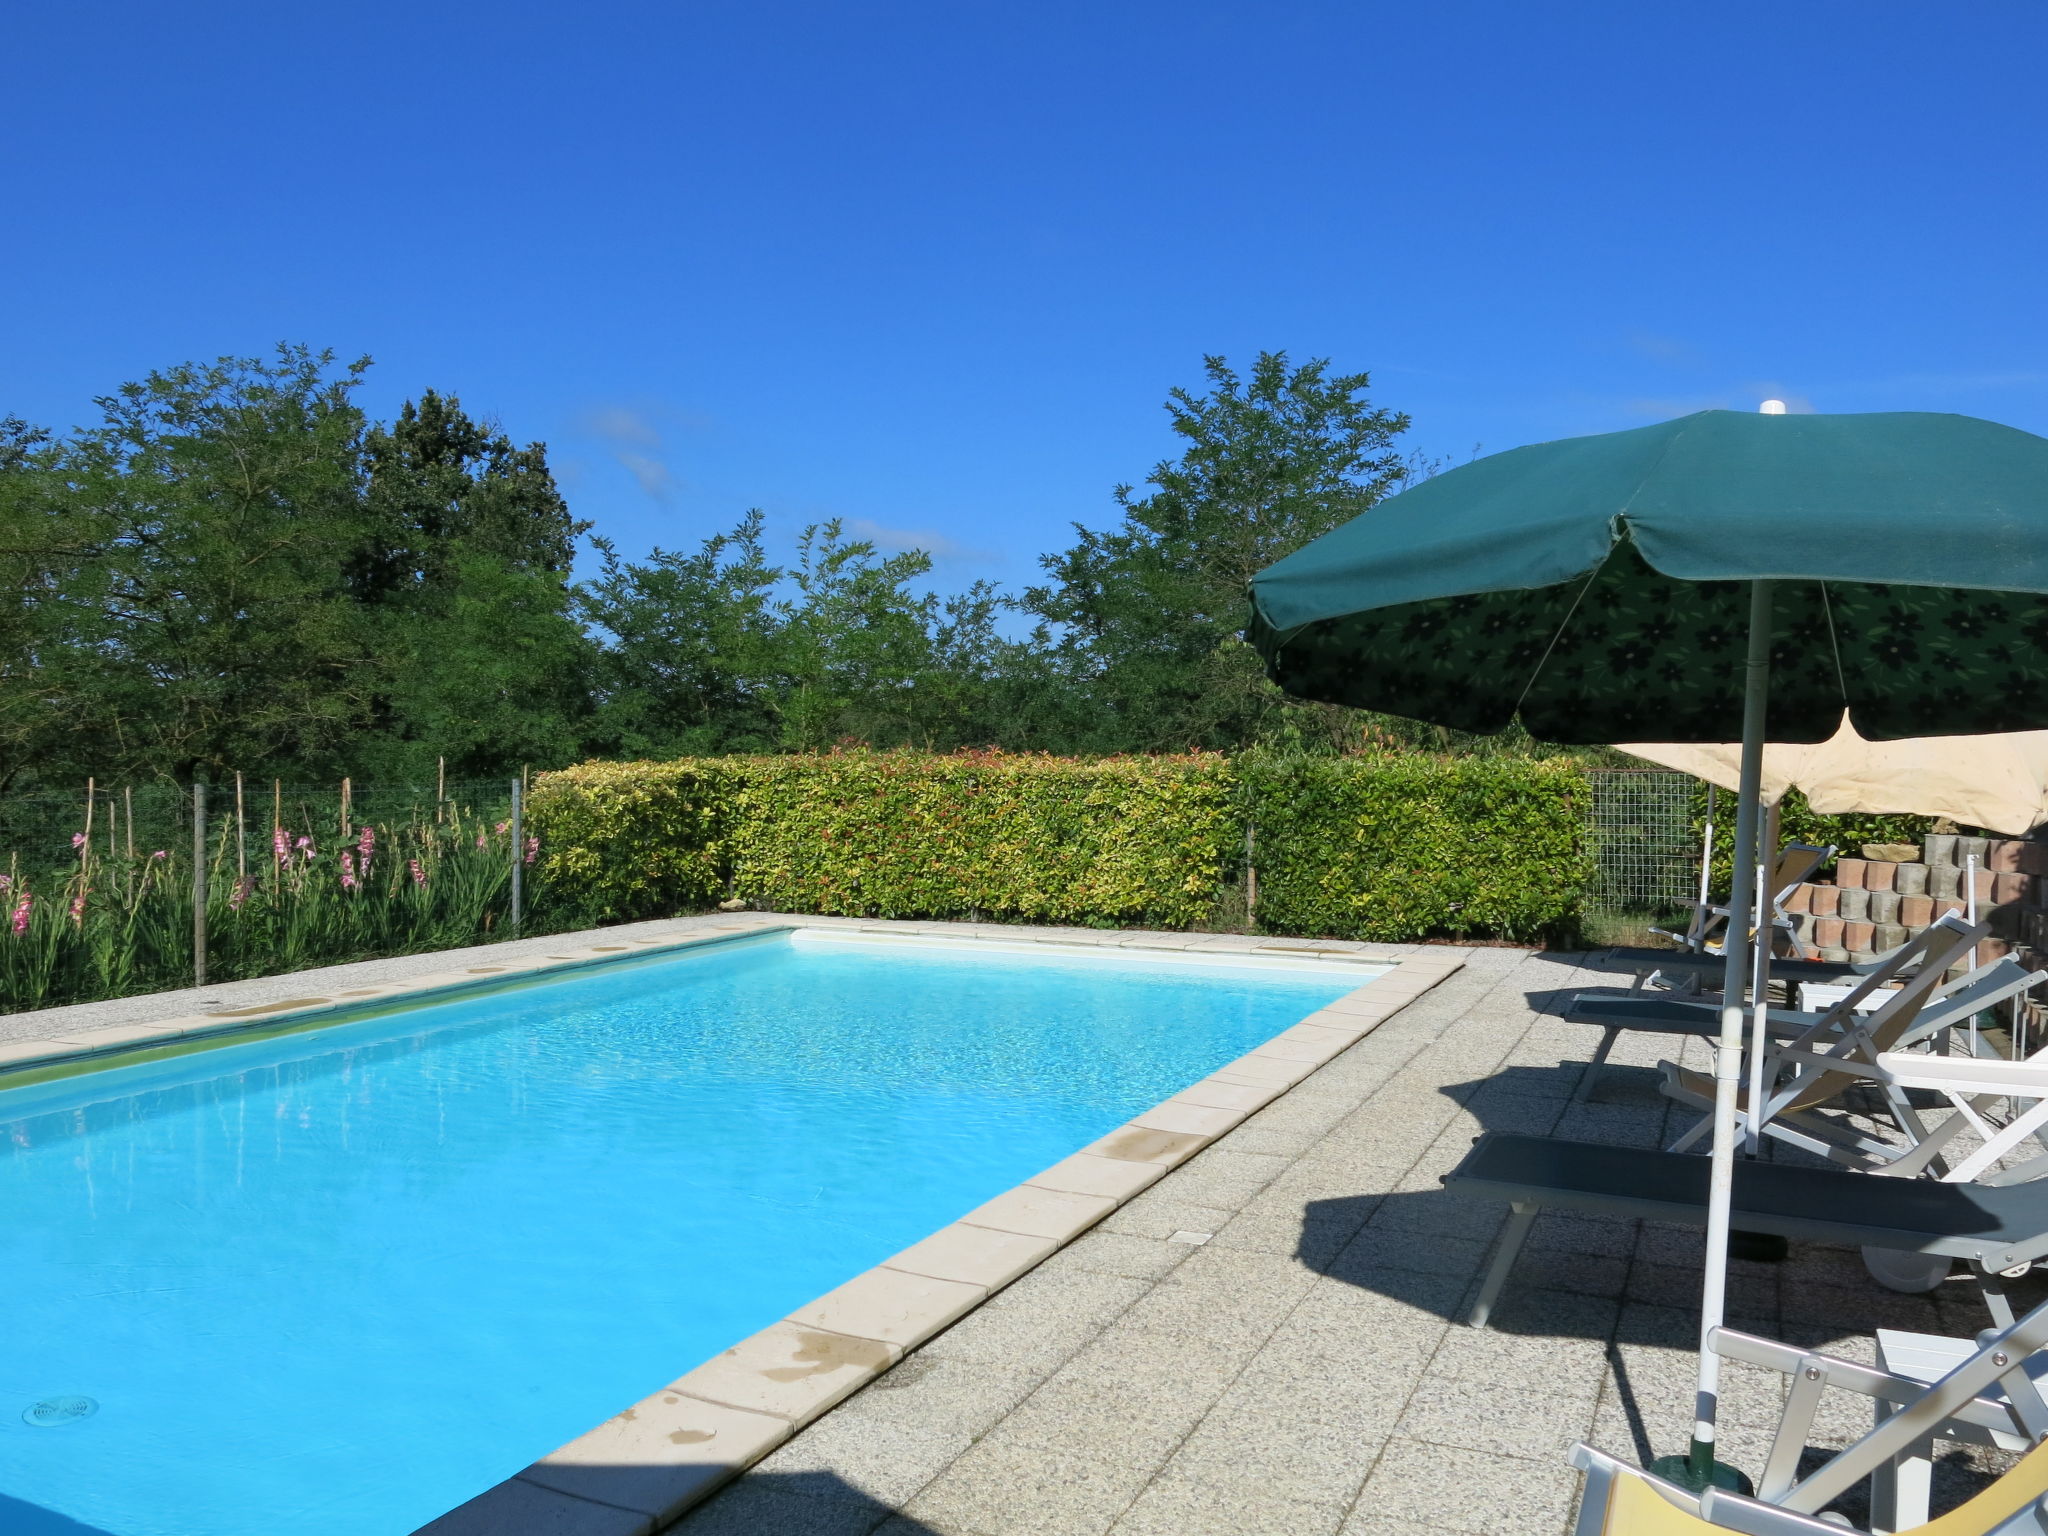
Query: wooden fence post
(1251,879)
(518,850)
(198,885)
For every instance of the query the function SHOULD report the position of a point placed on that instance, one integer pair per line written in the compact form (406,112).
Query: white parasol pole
(1756,687)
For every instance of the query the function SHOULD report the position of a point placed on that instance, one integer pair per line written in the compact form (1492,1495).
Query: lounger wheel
(1897,1270)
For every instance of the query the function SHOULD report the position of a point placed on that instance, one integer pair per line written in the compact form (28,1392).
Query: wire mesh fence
(40,832)
(1645,849)
(111,891)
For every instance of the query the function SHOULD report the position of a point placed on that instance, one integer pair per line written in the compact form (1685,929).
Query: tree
(691,661)
(1144,621)
(465,559)
(199,617)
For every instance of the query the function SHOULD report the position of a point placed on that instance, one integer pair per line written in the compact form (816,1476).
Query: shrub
(1041,839)
(1403,847)
(623,841)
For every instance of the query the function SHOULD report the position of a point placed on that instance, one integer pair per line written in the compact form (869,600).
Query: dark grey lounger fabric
(1781,970)
(1667,1016)
(1997,1225)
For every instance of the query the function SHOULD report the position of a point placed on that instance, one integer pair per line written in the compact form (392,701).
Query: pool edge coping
(680,1444)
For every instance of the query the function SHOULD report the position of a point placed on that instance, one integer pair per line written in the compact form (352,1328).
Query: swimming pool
(337,1282)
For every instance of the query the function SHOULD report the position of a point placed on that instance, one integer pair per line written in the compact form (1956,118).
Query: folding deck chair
(1990,1397)
(1991,1227)
(1796,864)
(1938,945)
(1830,1059)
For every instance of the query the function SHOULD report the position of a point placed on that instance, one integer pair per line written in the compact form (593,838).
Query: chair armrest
(1964,1074)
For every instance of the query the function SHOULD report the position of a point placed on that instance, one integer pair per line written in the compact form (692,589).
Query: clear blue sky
(932,267)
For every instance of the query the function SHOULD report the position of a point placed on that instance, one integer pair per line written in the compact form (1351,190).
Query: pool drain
(52,1411)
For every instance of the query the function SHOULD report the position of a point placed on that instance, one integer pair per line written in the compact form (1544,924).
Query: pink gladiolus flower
(78,910)
(479,839)
(419,875)
(6,882)
(365,846)
(348,871)
(532,849)
(159,854)
(21,914)
(278,845)
(78,839)
(502,826)
(242,889)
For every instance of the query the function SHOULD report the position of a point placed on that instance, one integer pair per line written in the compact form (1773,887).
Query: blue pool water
(337,1282)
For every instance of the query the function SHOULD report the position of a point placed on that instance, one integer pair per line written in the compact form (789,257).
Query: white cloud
(939,546)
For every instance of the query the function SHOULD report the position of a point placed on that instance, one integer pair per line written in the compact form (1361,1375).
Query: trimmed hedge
(622,841)
(1399,848)
(894,834)
(1390,848)
(1140,840)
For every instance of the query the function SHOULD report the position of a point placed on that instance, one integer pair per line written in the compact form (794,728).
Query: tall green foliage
(233,570)
(1145,618)
(1403,847)
(1385,848)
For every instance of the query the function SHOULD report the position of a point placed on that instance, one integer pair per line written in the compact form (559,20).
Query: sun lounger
(1990,1227)
(1702,970)
(1989,1396)
(1939,945)
(1805,1074)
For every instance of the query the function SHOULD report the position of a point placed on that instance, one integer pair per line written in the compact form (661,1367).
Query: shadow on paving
(793,1504)
(1625,1284)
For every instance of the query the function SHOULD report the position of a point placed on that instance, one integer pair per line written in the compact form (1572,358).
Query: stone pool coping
(643,1467)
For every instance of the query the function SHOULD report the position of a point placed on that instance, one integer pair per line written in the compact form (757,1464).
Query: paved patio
(1302,1372)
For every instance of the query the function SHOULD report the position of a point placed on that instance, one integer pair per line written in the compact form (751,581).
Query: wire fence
(1646,852)
(114,890)
(40,831)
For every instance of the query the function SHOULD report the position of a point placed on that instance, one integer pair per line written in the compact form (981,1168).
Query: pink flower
(479,839)
(6,882)
(243,887)
(159,854)
(78,839)
(348,871)
(305,847)
(365,846)
(419,875)
(278,845)
(78,910)
(21,914)
(532,849)
(501,827)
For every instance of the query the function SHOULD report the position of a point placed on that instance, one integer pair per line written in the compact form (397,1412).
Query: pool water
(337,1282)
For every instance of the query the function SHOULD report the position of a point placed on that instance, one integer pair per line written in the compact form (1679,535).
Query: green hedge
(894,834)
(1391,848)
(1140,840)
(1398,847)
(622,841)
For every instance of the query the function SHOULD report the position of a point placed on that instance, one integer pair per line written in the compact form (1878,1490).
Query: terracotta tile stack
(1876,904)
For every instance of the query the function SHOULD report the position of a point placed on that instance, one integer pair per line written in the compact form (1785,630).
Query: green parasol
(1672,582)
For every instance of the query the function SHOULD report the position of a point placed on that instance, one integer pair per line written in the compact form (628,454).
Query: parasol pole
(1698,1468)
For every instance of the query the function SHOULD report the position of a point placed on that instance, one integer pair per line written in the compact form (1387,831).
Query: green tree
(200,618)
(691,661)
(465,560)
(1143,622)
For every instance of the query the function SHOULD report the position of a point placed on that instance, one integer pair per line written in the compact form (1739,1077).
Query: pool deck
(1265,1341)
(1303,1371)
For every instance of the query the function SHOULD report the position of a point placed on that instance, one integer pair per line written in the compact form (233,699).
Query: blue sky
(932,267)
